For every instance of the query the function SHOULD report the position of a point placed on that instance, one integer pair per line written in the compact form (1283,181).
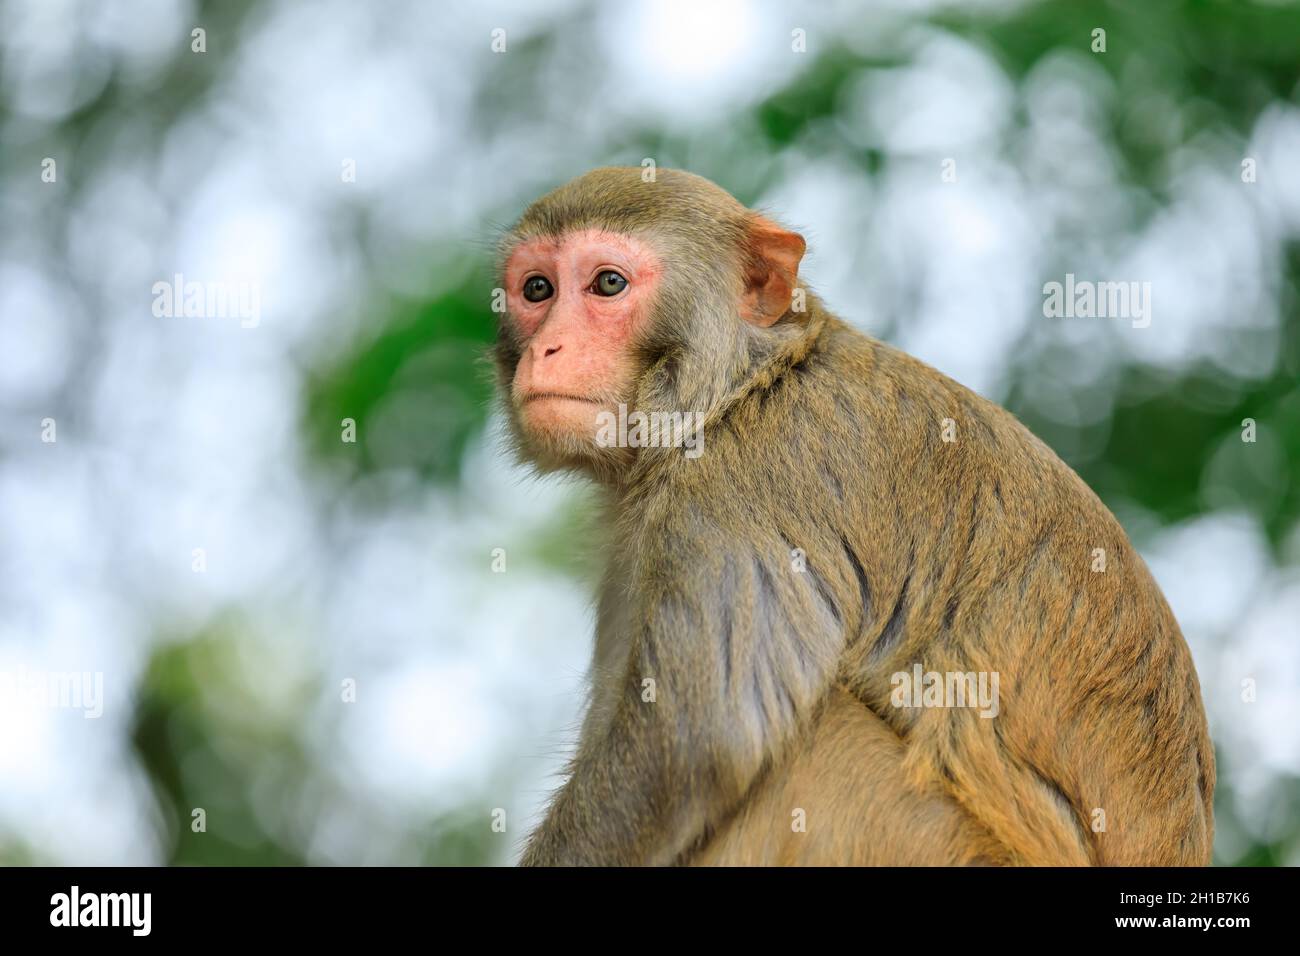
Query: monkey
(850,517)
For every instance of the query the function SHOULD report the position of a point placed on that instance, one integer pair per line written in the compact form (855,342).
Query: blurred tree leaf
(418,391)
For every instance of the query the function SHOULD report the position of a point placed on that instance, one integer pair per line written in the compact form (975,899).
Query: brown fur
(859,806)
(773,685)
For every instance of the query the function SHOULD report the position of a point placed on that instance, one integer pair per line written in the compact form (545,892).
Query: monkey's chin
(561,435)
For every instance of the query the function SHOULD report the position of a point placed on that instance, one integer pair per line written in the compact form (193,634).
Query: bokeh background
(370,562)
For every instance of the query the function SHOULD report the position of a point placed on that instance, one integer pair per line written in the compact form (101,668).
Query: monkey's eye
(609,282)
(538,289)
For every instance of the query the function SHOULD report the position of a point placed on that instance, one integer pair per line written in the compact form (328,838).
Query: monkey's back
(972,548)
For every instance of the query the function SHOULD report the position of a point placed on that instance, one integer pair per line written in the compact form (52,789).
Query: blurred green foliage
(430,358)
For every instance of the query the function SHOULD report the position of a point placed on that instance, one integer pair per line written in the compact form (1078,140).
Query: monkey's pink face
(577,302)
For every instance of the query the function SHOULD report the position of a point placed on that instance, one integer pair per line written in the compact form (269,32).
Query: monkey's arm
(740,649)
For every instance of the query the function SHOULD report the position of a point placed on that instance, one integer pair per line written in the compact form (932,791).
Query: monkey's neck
(797,343)
(773,353)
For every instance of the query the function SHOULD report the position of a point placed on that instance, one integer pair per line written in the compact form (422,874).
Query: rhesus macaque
(849,519)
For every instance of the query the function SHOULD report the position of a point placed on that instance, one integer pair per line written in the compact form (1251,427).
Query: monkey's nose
(551,351)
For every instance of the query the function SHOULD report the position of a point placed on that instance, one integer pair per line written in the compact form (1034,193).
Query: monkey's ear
(771,270)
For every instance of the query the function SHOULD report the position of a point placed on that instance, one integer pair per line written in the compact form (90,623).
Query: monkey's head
(657,295)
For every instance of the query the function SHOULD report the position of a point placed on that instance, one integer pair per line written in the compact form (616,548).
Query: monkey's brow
(585,232)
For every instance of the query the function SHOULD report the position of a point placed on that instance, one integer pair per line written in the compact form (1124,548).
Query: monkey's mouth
(565,396)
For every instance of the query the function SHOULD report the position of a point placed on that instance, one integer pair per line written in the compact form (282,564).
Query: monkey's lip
(538,396)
